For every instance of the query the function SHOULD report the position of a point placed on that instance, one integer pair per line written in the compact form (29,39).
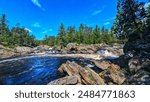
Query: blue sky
(42,17)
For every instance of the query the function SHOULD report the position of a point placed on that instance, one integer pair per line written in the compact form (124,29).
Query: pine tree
(70,36)
(81,33)
(4,31)
(129,20)
(61,35)
(96,35)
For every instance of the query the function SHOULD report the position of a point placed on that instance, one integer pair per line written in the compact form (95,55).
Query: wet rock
(80,49)
(89,49)
(68,80)
(114,50)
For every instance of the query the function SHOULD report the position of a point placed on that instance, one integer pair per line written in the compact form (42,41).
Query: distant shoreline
(84,56)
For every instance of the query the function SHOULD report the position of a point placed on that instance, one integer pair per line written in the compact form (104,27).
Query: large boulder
(41,48)
(113,75)
(71,68)
(101,64)
(24,50)
(90,77)
(139,62)
(85,75)
(72,47)
(111,50)
(6,52)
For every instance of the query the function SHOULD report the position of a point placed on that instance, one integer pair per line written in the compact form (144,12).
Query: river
(34,70)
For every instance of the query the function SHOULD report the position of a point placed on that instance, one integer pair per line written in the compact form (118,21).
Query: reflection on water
(33,71)
(37,71)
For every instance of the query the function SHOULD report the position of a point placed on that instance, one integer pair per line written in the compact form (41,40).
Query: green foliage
(84,35)
(129,19)
(17,36)
(61,35)
(49,40)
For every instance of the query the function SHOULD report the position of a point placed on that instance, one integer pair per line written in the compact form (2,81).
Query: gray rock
(137,63)
(6,52)
(85,75)
(23,50)
(142,77)
(68,80)
(113,74)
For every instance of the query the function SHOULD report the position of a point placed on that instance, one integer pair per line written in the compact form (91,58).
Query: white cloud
(106,23)
(110,19)
(46,31)
(36,2)
(36,25)
(96,12)
(28,30)
(147,4)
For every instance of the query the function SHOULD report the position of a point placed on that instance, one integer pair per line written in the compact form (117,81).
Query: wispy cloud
(28,30)
(47,31)
(96,12)
(37,3)
(106,23)
(110,19)
(36,25)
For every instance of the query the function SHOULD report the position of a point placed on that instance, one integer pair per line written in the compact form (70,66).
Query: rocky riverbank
(132,68)
(118,64)
(110,74)
(97,51)
(6,52)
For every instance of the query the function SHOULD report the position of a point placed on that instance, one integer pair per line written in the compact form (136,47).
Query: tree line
(16,36)
(132,21)
(82,35)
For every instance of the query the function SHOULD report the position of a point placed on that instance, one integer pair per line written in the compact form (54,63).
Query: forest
(132,20)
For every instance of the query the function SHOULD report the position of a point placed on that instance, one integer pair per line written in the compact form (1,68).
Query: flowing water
(34,70)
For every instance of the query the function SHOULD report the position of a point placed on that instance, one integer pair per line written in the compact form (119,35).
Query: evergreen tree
(129,20)
(80,34)
(49,40)
(96,35)
(70,36)
(61,35)
(4,31)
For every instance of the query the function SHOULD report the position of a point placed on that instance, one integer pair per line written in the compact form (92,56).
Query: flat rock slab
(68,80)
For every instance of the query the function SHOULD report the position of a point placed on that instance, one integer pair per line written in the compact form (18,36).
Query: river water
(34,70)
